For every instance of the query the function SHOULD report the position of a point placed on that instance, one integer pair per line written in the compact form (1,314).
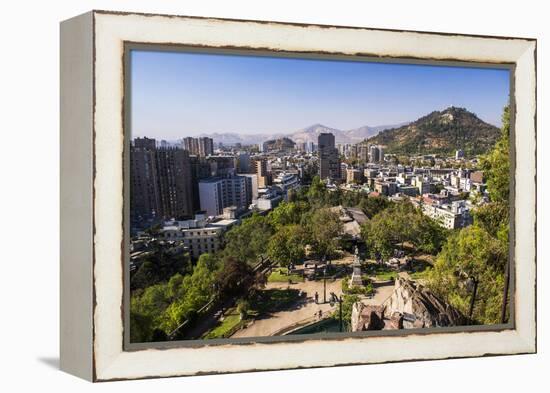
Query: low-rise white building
(199,235)
(269,199)
(450,216)
(286,182)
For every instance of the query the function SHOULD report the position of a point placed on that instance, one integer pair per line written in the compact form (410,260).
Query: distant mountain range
(440,132)
(308,134)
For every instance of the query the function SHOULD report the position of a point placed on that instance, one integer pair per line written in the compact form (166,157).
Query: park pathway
(284,319)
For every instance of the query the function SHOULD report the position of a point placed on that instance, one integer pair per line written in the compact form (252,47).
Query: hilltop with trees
(440,132)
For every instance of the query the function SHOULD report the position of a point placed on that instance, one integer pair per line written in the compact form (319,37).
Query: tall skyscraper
(206,146)
(329,159)
(160,182)
(174,178)
(202,146)
(144,193)
(191,145)
(363,152)
(376,154)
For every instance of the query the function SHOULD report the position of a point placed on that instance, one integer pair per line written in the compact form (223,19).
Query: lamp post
(336,299)
(325,285)
(324,260)
(471,284)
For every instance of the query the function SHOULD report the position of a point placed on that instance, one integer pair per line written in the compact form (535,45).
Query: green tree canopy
(471,253)
(235,278)
(287,213)
(162,307)
(400,223)
(371,206)
(247,241)
(324,226)
(496,164)
(287,245)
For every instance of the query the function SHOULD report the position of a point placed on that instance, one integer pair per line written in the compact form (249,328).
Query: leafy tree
(287,213)
(471,253)
(317,191)
(492,217)
(159,267)
(287,245)
(371,206)
(496,164)
(248,240)
(325,227)
(157,310)
(347,308)
(146,312)
(235,278)
(426,234)
(243,306)
(400,223)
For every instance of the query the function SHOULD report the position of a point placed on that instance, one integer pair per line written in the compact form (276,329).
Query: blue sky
(177,94)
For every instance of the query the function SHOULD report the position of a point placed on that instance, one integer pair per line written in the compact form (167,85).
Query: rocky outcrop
(410,306)
(367,317)
(420,308)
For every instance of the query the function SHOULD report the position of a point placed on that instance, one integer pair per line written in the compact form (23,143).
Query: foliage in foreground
(480,252)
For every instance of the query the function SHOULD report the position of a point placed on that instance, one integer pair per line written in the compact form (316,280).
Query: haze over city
(176,94)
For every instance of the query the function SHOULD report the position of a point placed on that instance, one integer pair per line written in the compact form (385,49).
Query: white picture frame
(92,195)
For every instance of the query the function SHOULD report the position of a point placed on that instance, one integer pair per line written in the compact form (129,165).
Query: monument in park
(356,279)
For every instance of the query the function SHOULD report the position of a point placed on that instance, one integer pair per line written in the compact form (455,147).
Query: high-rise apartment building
(260,168)
(206,147)
(175,182)
(144,193)
(191,145)
(202,146)
(329,159)
(243,162)
(363,152)
(160,182)
(376,154)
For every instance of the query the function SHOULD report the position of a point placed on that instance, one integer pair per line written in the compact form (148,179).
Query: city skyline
(177,94)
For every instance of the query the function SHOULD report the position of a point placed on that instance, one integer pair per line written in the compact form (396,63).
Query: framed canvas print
(247,195)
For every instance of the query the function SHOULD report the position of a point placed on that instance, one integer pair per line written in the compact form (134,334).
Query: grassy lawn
(281,275)
(227,327)
(273,300)
(380,272)
(366,289)
(263,303)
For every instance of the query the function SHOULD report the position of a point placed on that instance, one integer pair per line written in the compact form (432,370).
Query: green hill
(440,132)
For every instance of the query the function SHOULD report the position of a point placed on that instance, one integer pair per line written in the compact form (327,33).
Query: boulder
(420,308)
(367,317)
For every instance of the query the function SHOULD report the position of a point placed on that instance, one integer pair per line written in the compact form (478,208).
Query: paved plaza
(306,310)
